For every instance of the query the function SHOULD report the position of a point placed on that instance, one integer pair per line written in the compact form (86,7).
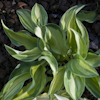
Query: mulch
(55,9)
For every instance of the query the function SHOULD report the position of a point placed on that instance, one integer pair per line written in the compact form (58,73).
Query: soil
(55,9)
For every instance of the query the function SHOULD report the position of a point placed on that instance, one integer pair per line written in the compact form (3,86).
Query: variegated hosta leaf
(80,67)
(38,73)
(25,18)
(57,82)
(85,15)
(43,96)
(74,85)
(93,59)
(81,45)
(55,38)
(22,68)
(83,32)
(60,97)
(38,32)
(26,56)
(68,21)
(14,86)
(40,44)
(39,15)
(20,38)
(92,84)
(51,60)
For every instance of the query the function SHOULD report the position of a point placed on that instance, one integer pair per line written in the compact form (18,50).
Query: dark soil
(55,9)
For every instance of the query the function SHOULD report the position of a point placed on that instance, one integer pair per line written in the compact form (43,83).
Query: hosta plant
(57,63)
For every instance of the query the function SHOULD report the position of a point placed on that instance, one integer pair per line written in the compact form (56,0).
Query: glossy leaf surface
(74,85)
(39,15)
(25,18)
(81,68)
(27,56)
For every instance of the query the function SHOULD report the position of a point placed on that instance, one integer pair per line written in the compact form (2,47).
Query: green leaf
(14,86)
(83,32)
(85,15)
(51,60)
(80,67)
(92,85)
(93,59)
(62,93)
(39,15)
(97,52)
(40,44)
(60,97)
(74,85)
(57,82)
(38,72)
(55,38)
(67,21)
(22,68)
(81,46)
(26,56)
(20,38)
(25,18)
(43,96)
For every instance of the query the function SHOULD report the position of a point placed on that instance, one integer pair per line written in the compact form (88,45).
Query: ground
(55,9)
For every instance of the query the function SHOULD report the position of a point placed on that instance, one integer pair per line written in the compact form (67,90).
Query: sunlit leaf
(93,59)
(60,97)
(22,68)
(14,86)
(92,85)
(81,68)
(38,73)
(81,46)
(67,21)
(20,38)
(51,60)
(83,32)
(43,96)
(74,85)
(39,15)
(25,18)
(58,78)
(27,56)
